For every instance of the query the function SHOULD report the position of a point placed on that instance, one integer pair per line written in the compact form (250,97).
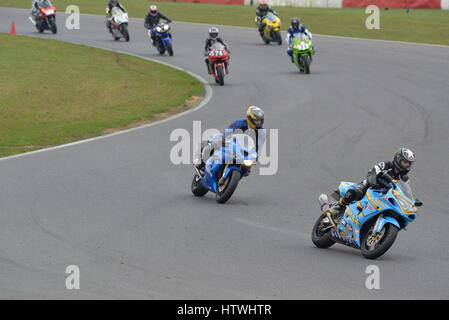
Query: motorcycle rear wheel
(390,233)
(230,185)
(320,239)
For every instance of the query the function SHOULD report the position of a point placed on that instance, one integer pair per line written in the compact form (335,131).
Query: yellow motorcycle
(272,29)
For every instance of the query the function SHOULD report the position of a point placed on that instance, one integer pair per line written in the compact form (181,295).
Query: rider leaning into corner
(112,4)
(152,19)
(378,177)
(295,29)
(262,10)
(251,125)
(210,41)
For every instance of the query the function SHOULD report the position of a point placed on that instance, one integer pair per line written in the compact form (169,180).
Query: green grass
(54,92)
(426,26)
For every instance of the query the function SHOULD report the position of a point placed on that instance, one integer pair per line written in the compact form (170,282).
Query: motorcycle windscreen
(406,188)
(217,46)
(244,147)
(44,4)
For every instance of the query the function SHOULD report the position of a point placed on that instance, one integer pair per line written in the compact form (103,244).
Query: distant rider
(377,178)
(112,4)
(152,19)
(35,8)
(295,29)
(210,41)
(262,10)
(252,125)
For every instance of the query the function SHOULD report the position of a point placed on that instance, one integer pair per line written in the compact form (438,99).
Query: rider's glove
(418,203)
(386,177)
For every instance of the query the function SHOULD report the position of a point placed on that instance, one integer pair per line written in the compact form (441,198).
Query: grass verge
(424,26)
(64,92)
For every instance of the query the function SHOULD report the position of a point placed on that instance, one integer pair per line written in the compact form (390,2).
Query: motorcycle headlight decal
(158,29)
(407,206)
(166,27)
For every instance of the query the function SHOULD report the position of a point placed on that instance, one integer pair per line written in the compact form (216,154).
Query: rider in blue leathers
(252,125)
(296,28)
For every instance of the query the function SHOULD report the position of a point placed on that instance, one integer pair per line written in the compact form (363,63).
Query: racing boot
(335,212)
(208,66)
(199,166)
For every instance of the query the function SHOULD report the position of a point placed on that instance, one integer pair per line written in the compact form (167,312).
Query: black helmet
(213,32)
(295,23)
(255,117)
(403,159)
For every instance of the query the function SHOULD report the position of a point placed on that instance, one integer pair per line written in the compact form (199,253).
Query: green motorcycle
(302,52)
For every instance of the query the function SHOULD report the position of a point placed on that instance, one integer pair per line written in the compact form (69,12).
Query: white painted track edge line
(207,97)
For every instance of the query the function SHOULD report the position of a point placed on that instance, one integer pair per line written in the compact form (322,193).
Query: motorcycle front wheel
(321,234)
(220,75)
(227,187)
(53,27)
(278,37)
(306,63)
(125,33)
(197,189)
(170,49)
(376,244)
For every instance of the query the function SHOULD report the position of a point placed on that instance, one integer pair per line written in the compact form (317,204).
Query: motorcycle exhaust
(32,21)
(323,200)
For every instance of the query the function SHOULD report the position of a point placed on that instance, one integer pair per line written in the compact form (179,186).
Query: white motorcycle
(119,24)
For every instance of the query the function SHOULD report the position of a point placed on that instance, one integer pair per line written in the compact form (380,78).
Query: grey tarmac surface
(118,209)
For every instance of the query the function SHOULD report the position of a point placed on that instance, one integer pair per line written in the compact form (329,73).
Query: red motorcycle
(218,63)
(45,17)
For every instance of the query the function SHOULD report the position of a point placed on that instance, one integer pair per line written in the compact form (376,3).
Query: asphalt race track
(123,213)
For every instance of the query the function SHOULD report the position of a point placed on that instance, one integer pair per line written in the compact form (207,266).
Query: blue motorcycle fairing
(384,220)
(370,207)
(164,35)
(222,157)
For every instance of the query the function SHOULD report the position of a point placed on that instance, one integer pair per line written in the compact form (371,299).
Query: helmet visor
(406,164)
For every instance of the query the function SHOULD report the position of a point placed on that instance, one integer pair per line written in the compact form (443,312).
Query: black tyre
(267,41)
(220,75)
(170,49)
(374,249)
(125,33)
(306,63)
(322,238)
(227,188)
(53,27)
(278,37)
(197,189)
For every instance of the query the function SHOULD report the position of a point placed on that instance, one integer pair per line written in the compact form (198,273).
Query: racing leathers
(109,8)
(377,178)
(209,43)
(292,33)
(260,14)
(239,126)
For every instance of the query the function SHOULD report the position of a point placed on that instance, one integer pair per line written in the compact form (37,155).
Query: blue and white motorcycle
(163,38)
(224,170)
(370,224)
